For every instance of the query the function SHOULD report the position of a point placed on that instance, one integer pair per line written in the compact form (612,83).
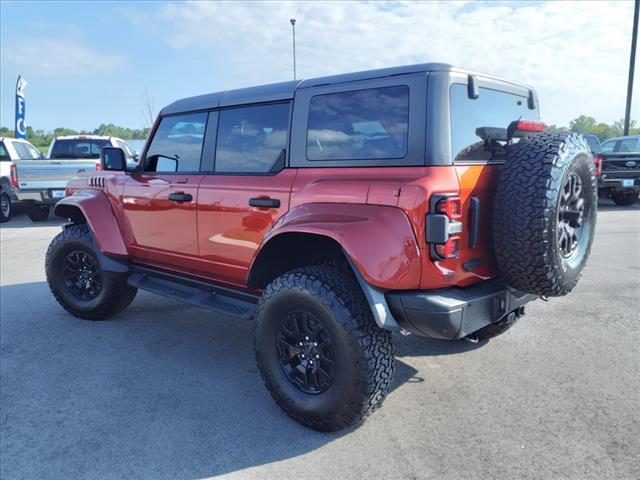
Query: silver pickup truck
(41,183)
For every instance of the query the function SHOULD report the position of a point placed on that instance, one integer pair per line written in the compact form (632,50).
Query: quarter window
(479,126)
(252,139)
(177,144)
(363,124)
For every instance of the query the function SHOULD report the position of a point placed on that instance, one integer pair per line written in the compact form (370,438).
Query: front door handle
(264,202)
(180,197)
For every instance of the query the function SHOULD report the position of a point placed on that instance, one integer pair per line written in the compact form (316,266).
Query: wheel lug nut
(302,355)
(310,362)
(300,343)
(315,344)
(306,338)
(317,356)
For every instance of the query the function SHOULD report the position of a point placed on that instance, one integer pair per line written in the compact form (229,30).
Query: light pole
(293,25)
(632,61)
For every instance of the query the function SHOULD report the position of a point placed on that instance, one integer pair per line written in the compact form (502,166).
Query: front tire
(625,199)
(321,355)
(38,212)
(77,280)
(5,207)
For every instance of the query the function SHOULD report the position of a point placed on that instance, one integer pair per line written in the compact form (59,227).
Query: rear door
(478,160)
(246,191)
(159,200)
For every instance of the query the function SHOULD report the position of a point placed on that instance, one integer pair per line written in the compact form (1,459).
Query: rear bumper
(618,184)
(38,195)
(453,313)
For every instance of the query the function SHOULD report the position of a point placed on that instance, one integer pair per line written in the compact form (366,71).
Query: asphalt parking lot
(168,391)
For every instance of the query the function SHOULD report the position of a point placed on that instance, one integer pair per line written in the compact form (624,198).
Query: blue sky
(90,62)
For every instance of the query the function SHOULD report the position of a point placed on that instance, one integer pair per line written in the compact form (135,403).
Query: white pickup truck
(12,149)
(41,183)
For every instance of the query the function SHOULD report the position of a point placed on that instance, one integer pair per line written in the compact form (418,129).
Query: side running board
(195,292)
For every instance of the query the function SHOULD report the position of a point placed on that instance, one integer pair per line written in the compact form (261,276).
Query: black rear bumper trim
(454,313)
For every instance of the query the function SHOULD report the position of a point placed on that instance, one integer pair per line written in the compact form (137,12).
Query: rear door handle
(180,197)
(264,202)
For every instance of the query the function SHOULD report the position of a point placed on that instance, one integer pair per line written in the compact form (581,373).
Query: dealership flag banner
(21,127)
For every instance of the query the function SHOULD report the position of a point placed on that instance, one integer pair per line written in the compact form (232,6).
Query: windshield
(77,148)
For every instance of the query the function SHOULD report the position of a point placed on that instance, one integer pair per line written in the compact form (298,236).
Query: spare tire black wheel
(625,199)
(545,213)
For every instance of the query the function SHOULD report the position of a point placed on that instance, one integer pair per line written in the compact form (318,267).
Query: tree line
(41,138)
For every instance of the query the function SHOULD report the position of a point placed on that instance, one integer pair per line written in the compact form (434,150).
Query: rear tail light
(14,176)
(450,206)
(443,226)
(99,166)
(450,249)
(597,161)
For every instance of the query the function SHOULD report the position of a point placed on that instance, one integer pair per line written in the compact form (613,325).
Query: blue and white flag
(21,126)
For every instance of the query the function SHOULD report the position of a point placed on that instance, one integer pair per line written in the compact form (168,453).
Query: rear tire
(625,199)
(545,213)
(5,207)
(78,282)
(323,309)
(38,212)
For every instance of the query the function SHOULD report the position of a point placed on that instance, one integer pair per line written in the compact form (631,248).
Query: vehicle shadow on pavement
(19,219)
(607,205)
(162,390)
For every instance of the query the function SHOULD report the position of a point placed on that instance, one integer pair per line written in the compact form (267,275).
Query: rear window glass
(177,144)
(479,126)
(26,151)
(628,145)
(608,146)
(79,148)
(364,124)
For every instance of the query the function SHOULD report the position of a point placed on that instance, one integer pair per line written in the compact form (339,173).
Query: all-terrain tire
(364,353)
(114,294)
(530,241)
(38,212)
(5,207)
(625,199)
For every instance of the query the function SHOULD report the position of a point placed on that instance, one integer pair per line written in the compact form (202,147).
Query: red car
(424,199)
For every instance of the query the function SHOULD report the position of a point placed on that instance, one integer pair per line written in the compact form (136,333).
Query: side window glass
(25,151)
(4,155)
(252,139)
(366,124)
(628,145)
(177,144)
(607,146)
(479,125)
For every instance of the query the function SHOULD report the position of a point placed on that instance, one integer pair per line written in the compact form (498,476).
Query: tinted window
(26,151)
(607,146)
(177,144)
(359,125)
(487,116)
(252,139)
(4,155)
(77,148)
(628,145)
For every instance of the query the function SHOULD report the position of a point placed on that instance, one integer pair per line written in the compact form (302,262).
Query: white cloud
(574,53)
(61,57)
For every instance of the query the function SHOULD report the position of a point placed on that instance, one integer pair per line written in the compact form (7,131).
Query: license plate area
(627,182)
(57,193)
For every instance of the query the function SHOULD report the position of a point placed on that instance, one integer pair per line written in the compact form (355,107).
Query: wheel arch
(92,207)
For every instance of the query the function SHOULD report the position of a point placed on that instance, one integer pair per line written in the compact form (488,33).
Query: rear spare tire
(545,213)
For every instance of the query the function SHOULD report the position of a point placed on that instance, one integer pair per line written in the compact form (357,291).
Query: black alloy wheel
(306,353)
(570,216)
(82,275)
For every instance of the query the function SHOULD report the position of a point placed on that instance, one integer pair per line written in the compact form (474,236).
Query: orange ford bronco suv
(334,211)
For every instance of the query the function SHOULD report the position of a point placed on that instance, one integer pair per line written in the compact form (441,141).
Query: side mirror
(113,159)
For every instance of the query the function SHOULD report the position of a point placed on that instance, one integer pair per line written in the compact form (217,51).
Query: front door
(248,191)
(160,201)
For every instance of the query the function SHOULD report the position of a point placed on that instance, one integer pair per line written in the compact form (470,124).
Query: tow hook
(544,298)
(508,319)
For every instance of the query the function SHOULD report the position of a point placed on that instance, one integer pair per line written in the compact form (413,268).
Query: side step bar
(195,292)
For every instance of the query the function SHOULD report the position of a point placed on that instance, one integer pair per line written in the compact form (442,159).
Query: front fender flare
(378,240)
(98,214)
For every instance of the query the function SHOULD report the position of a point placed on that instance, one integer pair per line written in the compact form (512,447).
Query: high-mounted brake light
(530,126)
(597,161)
(14,175)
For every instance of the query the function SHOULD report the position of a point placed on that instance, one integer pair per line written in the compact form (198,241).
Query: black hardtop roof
(285,90)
